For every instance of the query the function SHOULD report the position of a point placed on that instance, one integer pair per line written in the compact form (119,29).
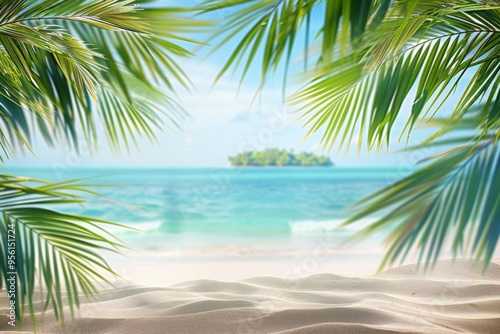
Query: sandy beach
(455,298)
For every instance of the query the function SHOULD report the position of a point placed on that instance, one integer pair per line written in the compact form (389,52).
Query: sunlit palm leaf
(268,31)
(368,74)
(432,51)
(419,53)
(63,250)
(70,65)
(451,202)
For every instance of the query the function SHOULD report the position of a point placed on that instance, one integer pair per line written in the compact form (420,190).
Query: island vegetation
(277,157)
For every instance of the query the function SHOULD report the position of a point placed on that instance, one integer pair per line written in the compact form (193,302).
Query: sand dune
(455,298)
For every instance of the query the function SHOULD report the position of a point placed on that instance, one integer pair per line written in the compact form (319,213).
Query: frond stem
(440,37)
(63,17)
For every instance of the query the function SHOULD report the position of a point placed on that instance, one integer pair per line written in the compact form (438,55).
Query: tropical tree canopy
(277,157)
(77,71)
(376,62)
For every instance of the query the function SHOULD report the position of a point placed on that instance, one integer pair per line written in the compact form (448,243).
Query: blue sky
(220,123)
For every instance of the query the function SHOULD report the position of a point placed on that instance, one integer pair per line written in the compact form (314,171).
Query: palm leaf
(268,31)
(451,202)
(431,51)
(67,66)
(70,65)
(63,250)
(375,60)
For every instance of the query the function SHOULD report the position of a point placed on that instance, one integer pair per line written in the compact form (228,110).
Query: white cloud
(224,100)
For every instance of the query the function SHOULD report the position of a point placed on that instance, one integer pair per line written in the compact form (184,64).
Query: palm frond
(71,64)
(422,59)
(451,202)
(60,251)
(268,31)
(397,54)
(68,65)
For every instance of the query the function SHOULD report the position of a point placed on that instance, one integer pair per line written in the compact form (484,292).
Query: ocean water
(183,208)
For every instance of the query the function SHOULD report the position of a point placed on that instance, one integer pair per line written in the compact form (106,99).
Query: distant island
(279,158)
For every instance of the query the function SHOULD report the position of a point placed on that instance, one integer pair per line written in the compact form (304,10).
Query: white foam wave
(317,226)
(146,226)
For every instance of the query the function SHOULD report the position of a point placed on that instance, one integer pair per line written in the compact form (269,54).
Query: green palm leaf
(450,202)
(62,250)
(376,58)
(268,31)
(71,65)
(365,91)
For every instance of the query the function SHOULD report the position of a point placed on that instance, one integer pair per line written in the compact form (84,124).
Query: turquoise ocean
(225,209)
